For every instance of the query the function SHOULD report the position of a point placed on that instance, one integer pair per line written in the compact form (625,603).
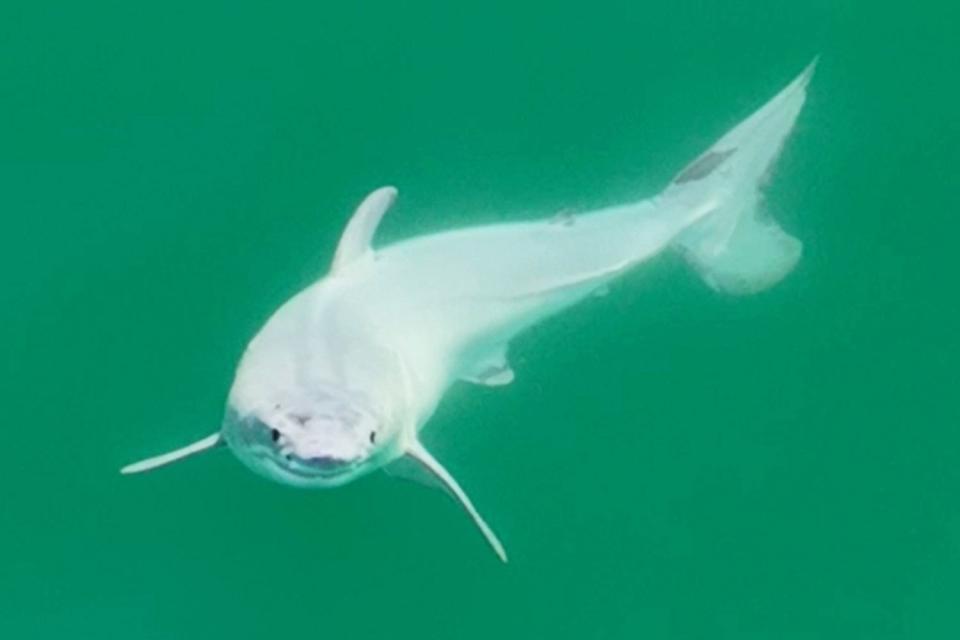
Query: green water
(670,463)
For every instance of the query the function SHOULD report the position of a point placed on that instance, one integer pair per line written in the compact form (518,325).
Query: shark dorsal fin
(356,238)
(420,454)
(211,441)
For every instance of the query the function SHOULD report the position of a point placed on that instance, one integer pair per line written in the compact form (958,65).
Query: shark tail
(736,246)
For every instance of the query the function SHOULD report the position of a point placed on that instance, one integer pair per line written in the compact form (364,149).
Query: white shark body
(344,376)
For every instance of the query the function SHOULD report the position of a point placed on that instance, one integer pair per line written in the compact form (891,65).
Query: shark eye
(274,434)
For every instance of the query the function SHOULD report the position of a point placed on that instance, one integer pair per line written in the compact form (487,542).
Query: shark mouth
(322,467)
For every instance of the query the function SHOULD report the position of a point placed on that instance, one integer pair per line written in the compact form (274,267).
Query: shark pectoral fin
(409,469)
(149,464)
(356,238)
(419,453)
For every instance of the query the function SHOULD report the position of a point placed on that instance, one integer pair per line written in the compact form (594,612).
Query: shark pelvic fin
(419,453)
(492,371)
(356,238)
(211,441)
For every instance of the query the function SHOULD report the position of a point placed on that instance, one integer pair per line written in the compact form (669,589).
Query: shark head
(325,439)
(318,400)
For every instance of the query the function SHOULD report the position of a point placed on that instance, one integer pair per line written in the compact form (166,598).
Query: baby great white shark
(344,376)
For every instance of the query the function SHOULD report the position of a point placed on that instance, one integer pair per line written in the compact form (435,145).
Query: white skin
(343,377)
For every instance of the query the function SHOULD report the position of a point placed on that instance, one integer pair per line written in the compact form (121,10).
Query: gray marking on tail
(564,218)
(703,166)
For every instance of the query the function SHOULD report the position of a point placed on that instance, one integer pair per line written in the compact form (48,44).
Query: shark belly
(450,303)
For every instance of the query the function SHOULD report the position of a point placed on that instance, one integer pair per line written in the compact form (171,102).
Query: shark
(343,377)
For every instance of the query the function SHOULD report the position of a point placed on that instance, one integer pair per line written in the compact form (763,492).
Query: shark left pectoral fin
(211,441)
(418,453)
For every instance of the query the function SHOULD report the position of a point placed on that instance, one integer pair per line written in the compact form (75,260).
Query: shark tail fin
(736,246)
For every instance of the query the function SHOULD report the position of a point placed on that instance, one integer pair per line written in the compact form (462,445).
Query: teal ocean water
(669,463)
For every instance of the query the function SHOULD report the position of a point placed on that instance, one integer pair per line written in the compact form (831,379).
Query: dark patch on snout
(299,418)
(703,166)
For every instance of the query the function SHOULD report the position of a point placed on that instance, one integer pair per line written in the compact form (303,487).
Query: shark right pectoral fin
(211,441)
(418,453)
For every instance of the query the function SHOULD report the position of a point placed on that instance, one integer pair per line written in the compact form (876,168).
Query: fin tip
(807,74)
(136,467)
